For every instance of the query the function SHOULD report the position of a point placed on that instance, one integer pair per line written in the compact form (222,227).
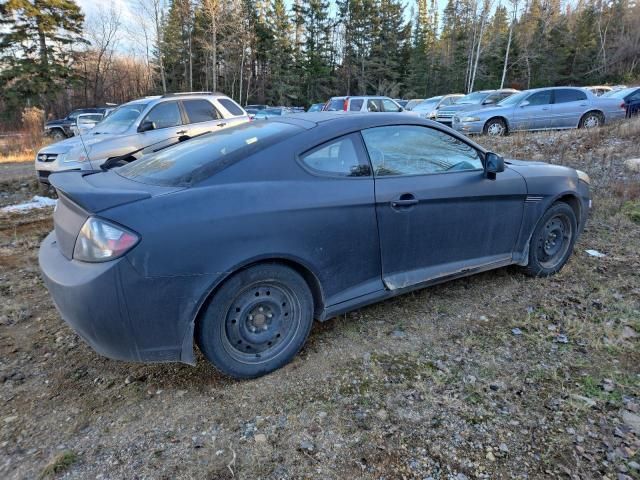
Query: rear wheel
(495,128)
(257,321)
(552,241)
(591,120)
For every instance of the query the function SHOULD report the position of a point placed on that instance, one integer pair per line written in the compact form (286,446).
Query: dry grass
(59,464)
(430,384)
(22,146)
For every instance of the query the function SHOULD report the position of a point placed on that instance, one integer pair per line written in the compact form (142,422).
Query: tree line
(264,51)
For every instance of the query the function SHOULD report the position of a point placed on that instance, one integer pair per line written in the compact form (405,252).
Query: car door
(438,215)
(534,112)
(163,124)
(568,106)
(633,104)
(374,105)
(201,117)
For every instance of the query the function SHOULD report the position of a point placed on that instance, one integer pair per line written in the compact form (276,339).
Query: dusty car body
(553,108)
(242,237)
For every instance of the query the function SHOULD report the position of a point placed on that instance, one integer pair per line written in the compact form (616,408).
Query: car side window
(416,150)
(540,98)
(200,111)
(390,106)
(355,105)
(336,157)
(374,105)
(635,96)
(165,115)
(232,107)
(565,95)
(493,98)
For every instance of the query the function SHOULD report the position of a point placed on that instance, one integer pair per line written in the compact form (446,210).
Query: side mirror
(493,163)
(524,103)
(146,126)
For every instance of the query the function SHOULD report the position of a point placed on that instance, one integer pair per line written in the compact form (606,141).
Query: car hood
(80,141)
(465,107)
(523,163)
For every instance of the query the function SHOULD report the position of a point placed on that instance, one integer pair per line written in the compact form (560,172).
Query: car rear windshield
(198,158)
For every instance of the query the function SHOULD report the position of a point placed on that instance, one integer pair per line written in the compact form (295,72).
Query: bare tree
(104,32)
(153,11)
(506,53)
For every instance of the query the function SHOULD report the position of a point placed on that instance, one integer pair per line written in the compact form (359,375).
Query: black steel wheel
(257,321)
(552,241)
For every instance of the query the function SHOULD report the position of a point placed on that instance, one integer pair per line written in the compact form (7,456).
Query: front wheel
(495,128)
(257,321)
(552,241)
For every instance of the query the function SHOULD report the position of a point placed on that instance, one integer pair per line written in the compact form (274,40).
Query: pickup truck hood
(55,123)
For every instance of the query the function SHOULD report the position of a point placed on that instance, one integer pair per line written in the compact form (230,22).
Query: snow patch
(36,202)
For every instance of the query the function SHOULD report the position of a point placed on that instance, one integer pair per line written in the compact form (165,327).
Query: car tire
(547,255)
(57,135)
(257,321)
(495,128)
(591,120)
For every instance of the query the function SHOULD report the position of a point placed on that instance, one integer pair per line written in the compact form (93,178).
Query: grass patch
(60,463)
(632,210)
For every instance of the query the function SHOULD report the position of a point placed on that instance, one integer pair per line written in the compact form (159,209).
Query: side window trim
(481,154)
(361,152)
(165,103)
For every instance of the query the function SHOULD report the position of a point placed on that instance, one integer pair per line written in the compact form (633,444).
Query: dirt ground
(492,376)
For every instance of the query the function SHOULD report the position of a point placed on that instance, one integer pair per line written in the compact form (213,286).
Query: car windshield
(193,160)
(618,93)
(120,119)
(335,105)
(473,98)
(513,99)
(427,105)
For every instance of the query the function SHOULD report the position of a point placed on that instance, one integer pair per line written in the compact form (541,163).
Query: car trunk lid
(82,194)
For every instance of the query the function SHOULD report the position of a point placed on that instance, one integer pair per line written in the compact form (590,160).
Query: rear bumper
(118,312)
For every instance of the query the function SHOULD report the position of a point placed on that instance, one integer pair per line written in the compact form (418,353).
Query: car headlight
(584,177)
(470,119)
(75,154)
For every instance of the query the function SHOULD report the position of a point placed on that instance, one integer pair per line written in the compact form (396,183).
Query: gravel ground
(492,376)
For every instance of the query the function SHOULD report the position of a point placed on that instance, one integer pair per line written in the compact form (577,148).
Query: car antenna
(86,152)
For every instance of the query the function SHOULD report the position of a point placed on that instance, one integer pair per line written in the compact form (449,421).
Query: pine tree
(36,61)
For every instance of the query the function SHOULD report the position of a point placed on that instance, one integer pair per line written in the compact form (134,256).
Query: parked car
(631,98)
(139,124)
(429,108)
(473,101)
(541,109)
(240,238)
(271,112)
(362,104)
(316,107)
(599,90)
(256,107)
(63,128)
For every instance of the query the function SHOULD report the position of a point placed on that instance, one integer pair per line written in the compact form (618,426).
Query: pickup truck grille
(47,157)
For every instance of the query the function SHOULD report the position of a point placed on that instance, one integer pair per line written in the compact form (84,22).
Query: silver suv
(362,104)
(146,124)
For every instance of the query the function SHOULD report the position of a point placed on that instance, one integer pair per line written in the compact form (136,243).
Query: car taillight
(101,241)
(345,104)
(623,106)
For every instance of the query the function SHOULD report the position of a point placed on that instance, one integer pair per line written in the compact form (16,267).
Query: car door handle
(404,201)
(545,108)
(181,132)
(221,124)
